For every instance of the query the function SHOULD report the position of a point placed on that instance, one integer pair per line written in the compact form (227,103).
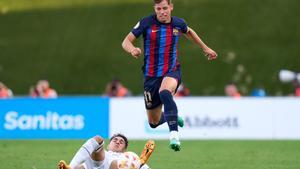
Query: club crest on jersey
(175,31)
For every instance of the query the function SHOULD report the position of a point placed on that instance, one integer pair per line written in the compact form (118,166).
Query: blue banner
(61,118)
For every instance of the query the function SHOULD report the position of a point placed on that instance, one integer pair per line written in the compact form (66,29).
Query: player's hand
(211,54)
(136,52)
(63,165)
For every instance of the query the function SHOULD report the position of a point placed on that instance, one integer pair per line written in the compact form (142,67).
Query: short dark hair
(159,1)
(122,136)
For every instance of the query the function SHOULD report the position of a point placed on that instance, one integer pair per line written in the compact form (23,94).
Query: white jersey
(111,156)
(105,164)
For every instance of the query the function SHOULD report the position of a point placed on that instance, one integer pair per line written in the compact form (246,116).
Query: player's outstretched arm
(211,54)
(129,47)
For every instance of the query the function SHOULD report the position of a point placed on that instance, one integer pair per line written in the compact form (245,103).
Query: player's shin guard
(85,151)
(170,109)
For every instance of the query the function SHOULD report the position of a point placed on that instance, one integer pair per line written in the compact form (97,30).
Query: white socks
(145,166)
(174,135)
(84,152)
(79,158)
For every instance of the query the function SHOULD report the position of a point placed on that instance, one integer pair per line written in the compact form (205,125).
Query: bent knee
(98,138)
(153,125)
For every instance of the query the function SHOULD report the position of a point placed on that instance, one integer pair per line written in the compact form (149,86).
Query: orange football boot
(148,150)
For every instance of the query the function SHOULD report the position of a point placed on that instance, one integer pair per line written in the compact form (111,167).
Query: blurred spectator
(297,88)
(232,91)
(182,91)
(116,89)
(43,90)
(296,84)
(297,91)
(5,92)
(258,92)
(287,76)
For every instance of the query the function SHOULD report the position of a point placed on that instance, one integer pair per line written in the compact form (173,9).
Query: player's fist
(211,54)
(136,52)
(63,165)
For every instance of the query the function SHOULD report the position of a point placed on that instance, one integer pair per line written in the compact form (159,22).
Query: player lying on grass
(92,155)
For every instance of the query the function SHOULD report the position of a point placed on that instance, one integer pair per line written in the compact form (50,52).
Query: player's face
(117,144)
(163,11)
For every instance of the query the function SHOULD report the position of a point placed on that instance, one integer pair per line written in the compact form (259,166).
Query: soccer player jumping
(162,74)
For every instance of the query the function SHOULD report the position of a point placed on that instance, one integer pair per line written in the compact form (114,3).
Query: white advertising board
(213,118)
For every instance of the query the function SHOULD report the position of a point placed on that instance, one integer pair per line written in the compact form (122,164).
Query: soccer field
(44,154)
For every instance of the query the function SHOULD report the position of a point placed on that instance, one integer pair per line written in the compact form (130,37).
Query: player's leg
(152,101)
(145,166)
(155,116)
(88,150)
(166,92)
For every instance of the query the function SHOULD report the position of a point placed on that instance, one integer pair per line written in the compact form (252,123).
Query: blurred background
(76,44)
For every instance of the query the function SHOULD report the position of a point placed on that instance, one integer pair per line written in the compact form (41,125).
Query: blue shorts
(151,88)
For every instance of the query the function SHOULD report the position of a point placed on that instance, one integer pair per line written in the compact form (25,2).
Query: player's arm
(92,148)
(192,35)
(129,47)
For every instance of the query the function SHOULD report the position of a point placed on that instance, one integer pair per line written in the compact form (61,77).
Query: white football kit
(105,164)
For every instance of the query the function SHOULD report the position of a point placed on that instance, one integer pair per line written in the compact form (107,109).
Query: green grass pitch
(196,154)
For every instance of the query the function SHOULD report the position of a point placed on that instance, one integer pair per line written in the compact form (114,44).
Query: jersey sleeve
(183,25)
(139,28)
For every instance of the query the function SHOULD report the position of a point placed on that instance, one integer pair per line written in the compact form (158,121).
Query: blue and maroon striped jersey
(160,44)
